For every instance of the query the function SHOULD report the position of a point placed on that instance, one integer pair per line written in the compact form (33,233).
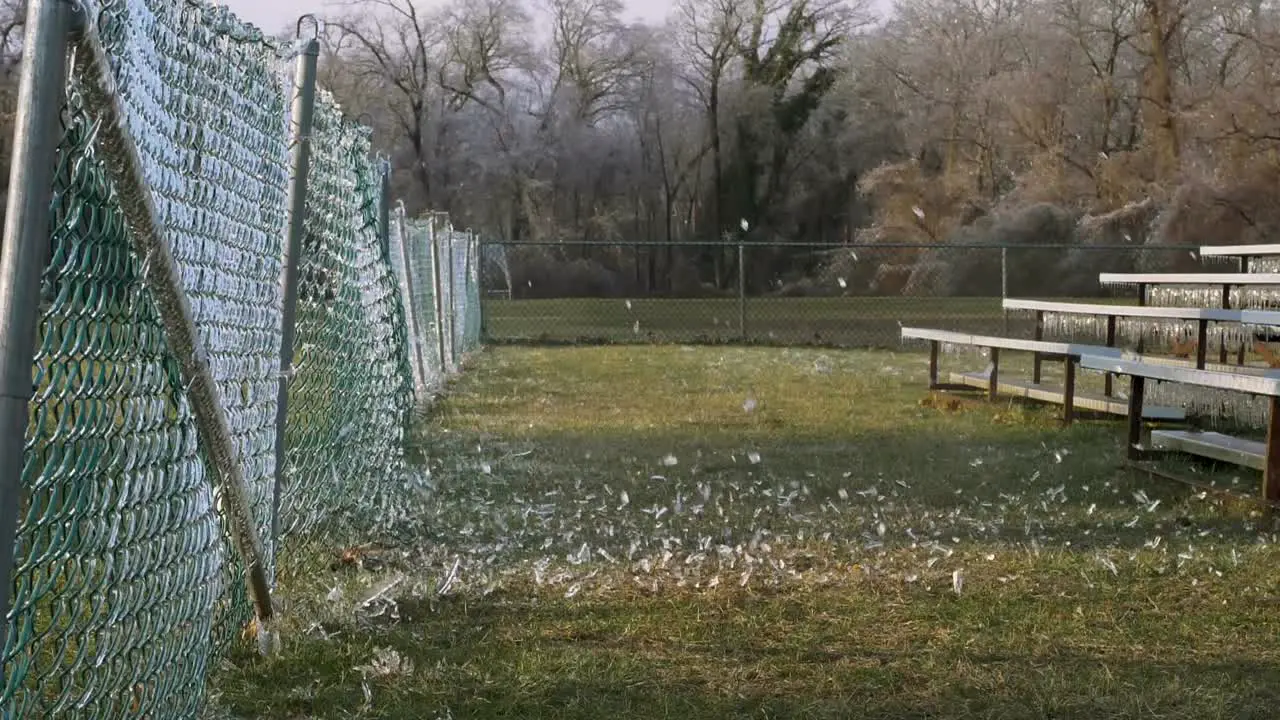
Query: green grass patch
(823,321)
(675,532)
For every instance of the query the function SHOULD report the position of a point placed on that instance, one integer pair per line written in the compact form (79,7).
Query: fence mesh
(125,585)
(844,296)
(438,255)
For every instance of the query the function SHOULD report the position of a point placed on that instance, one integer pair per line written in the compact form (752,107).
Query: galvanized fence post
(384,213)
(742,291)
(41,93)
(453,302)
(481,296)
(437,291)
(304,96)
(1004,286)
(412,326)
(304,113)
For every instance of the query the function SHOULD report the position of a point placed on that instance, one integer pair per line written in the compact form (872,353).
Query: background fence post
(412,326)
(384,213)
(742,291)
(453,301)
(303,113)
(437,292)
(36,132)
(1004,287)
(481,296)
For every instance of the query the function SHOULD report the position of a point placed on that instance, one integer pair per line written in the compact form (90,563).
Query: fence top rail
(1239,250)
(1003,343)
(1244,317)
(1189,278)
(1260,384)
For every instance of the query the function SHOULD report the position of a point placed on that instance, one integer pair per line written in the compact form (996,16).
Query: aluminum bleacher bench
(1264,456)
(991,381)
(1202,317)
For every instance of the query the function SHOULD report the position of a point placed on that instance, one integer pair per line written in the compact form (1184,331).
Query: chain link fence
(178,129)
(433,260)
(791,294)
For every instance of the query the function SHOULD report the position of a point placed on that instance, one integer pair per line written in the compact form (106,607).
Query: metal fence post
(437,289)
(412,326)
(303,113)
(41,93)
(742,291)
(1004,287)
(384,213)
(481,296)
(453,302)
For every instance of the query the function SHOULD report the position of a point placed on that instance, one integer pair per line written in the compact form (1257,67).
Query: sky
(274,15)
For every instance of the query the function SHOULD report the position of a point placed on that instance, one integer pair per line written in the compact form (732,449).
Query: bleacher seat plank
(1263,383)
(1261,250)
(1189,278)
(1222,448)
(1003,343)
(1219,315)
(1212,445)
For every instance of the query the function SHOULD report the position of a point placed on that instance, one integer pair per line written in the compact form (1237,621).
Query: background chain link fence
(125,584)
(790,294)
(441,263)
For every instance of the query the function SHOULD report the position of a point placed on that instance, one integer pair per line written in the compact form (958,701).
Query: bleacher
(1167,338)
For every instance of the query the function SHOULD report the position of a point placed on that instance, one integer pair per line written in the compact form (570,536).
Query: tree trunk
(1162,27)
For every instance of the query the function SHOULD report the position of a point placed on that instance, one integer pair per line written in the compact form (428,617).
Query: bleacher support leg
(1137,385)
(1271,475)
(993,382)
(1069,391)
(1036,359)
(1107,379)
(1226,305)
(933,364)
(1202,340)
(1142,302)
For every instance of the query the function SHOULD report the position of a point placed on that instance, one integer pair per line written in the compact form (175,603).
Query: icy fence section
(439,262)
(126,586)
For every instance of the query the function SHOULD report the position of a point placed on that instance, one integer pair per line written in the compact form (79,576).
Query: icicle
(953,349)
(1255,297)
(1218,407)
(1185,296)
(1268,264)
(1073,327)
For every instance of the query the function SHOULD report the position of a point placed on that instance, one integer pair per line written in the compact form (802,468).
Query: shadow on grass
(824,655)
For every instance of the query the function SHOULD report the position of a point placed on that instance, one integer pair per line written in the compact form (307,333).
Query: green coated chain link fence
(125,585)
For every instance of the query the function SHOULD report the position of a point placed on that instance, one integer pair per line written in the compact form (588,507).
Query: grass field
(674,532)
(825,321)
